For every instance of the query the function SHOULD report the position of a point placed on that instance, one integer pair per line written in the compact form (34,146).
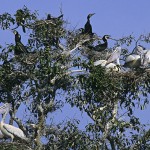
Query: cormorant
(20,19)
(49,17)
(101,47)
(87,26)
(19,47)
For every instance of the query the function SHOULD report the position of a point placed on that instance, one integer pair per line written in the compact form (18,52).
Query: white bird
(145,59)
(115,56)
(108,64)
(10,130)
(134,59)
(1,135)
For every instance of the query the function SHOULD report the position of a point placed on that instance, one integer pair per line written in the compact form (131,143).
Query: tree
(57,60)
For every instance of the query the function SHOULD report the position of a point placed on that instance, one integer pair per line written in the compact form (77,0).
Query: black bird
(49,17)
(19,47)
(87,26)
(20,19)
(101,47)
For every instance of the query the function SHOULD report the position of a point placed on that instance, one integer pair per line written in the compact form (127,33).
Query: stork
(10,130)
(109,64)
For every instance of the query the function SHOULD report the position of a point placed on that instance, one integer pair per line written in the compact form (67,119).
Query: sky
(117,18)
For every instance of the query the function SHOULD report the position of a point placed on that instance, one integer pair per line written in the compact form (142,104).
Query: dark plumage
(87,26)
(101,47)
(49,17)
(19,47)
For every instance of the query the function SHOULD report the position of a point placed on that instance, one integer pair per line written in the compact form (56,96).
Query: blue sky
(114,17)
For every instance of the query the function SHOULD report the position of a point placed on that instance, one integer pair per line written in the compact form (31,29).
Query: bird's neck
(88,19)
(104,40)
(118,62)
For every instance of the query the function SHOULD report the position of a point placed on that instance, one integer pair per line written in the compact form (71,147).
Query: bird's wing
(100,62)
(145,58)
(115,55)
(22,47)
(91,47)
(15,131)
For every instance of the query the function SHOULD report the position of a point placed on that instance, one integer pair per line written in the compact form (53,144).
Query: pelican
(9,130)
(115,56)
(134,59)
(108,64)
(145,59)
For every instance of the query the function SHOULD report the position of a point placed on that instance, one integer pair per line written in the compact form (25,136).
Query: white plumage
(134,59)
(108,64)
(145,60)
(109,67)
(10,130)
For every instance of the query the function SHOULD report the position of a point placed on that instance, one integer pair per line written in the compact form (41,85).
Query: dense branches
(57,63)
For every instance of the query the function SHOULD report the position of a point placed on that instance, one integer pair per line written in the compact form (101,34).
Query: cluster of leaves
(38,79)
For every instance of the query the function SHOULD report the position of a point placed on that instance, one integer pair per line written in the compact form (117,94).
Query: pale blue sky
(114,17)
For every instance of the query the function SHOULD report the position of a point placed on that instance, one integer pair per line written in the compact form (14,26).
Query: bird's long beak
(92,14)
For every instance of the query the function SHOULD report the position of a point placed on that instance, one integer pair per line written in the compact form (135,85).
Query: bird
(10,130)
(109,64)
(101,47)
(54,19)
(145,58)
(19,47)
(139,49)
(88,26)
(115,56)
(108,67)
(134,59)
(20,19)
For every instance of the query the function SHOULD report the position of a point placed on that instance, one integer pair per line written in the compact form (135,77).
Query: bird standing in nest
(101,47)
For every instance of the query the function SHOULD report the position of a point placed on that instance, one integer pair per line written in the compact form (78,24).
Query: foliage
(48,71)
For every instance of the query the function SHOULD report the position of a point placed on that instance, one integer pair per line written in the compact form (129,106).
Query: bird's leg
(12,138)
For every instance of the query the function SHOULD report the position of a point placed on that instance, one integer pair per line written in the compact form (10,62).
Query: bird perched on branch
(10,130)
(88,26)
(49,17)
(109,64)
(134,59)
(101,47)
(20,19)
(115,56)
(145,58)
(19,47)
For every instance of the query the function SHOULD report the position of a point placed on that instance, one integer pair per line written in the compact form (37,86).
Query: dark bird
(49,17)
(101,47)
(88,26)
(19,47)
(20,19)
